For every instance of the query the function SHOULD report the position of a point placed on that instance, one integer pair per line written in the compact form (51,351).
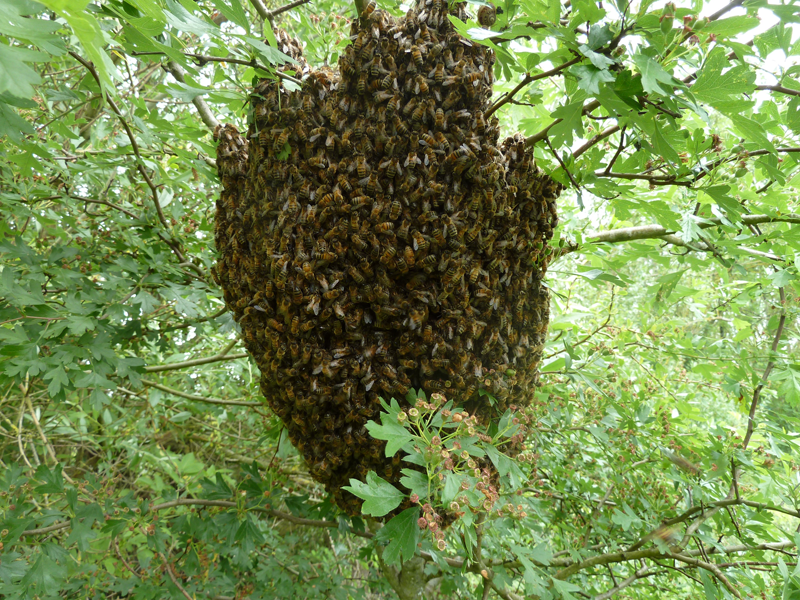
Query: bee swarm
(374,237)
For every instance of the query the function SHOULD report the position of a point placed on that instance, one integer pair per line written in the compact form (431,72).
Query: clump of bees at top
(374,237)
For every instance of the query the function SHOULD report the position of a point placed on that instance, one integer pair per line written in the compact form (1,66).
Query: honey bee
(389,148)
(420,241)
(358,242)
(428,139)
(358,44)
(361,166)
(388,255)
(319,161)
(371,183)
(438,121)
(392,106)
(416,55)
(475,273)
(421,85)
(402,231)
(412,159)
(410,107)
(390,82)
(345,183)
(450,226)
(277,326)
(369,9)
(366,268)
(480,122)
(400,126)
(282,139)
(452,99)
(385,228)
(394,214)
(472,78)
(356,275)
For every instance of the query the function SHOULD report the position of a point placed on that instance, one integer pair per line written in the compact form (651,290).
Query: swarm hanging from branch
(374,237)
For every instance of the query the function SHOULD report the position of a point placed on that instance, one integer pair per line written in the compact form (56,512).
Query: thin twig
(194,363)
(139,165)
(757,392)
(619,150)
(530,79)
(174,579)
(708,567)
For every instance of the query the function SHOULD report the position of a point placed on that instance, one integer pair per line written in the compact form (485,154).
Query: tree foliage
(660,460)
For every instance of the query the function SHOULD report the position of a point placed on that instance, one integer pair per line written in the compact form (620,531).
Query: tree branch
(215,503)
(778,88)
(597,138)
(708,567)
(642,232)
(640,574)
(194,363)
(269,15)
(180,394)
(757,392)
(202,108)
(530,79)
(174,246)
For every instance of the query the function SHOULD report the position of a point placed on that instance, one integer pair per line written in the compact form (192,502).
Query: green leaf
(415,481)
(90,34)
(600,35)
(598,60)
(58,378)
(715,88)
(270,55)
(249,534)
(403,533)
(653,74)
(505,466)
(753,131)
(234,12)
(380,497)
(571,121)
(395,434)
(731,26)
(17,78)
(183,20)
(52,481)
(709,588)
(590,78)
(662,146)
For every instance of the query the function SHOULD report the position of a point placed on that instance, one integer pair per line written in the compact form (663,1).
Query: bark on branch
(643,232)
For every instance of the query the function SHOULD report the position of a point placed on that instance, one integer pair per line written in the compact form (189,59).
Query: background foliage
(137,459)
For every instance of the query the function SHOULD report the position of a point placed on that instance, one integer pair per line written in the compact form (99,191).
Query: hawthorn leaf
(380,497)
(403,533)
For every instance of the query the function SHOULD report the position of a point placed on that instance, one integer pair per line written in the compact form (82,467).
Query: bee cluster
(375,237)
